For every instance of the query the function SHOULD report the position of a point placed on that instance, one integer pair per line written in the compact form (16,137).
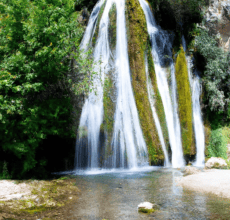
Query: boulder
(191,170)
(146,207)
(215,162)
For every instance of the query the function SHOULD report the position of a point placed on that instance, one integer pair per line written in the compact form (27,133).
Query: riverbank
(214,181)
(32,199)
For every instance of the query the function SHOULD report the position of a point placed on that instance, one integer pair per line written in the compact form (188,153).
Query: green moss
(113,27)
(109,110)
(159,104)
(137,45)
(184,103)
(148,211)
(94,40)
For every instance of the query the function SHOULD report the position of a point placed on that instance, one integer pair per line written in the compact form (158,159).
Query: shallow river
(116,195)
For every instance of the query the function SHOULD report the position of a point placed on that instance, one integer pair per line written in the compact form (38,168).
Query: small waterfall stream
(156,119)
(92,112)
(195,85)
(170,113)
(127,131)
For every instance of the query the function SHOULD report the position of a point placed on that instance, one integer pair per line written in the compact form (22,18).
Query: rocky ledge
(34,199)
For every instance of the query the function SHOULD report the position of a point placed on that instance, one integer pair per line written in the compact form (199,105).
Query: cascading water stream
(197,116)
(156,119)
(92,112)
(174,133)
(198,123)
(175,110)
(91,26)
(127,135)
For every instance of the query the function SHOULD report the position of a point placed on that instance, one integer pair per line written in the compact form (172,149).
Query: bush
(218,144)
(216,77)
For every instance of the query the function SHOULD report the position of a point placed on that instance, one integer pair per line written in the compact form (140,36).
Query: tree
(37,39)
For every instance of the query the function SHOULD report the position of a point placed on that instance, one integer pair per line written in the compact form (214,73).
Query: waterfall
(198,123)
(195,85)
(156,119)
(123,138)
(128,144)
(127,131)
(92,112)
(171,115)
(91,26)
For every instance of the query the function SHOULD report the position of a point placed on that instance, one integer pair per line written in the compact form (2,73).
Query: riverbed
(116,195)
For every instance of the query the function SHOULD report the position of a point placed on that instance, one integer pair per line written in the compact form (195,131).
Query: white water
(175,112)
(197,116)
(156,119)
(92,112)
(90,29)
(127,135)
(174,133)
(129,148)
(198,123)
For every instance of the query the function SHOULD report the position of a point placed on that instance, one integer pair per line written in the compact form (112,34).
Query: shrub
(216,77)
(218,144)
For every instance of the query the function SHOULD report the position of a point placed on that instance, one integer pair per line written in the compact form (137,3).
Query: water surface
(116,195)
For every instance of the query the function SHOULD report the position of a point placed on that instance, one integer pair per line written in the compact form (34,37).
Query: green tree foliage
(218,144)
(37,41)
(216,77)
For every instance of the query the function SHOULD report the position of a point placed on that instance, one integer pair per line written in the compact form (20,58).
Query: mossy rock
(147,211)
(109,111)
(137,45)
(184,104)
(113,27)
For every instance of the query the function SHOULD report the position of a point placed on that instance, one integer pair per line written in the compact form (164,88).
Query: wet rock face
(84,17)
(217,21)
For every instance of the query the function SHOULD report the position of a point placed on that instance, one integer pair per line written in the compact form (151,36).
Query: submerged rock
(191,170)
(215,162)
(146,207)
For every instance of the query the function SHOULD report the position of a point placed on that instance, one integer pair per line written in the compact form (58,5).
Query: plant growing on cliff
(216,77)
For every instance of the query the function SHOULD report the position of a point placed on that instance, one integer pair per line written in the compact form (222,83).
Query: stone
(146,207)
(191,170)
(226,46)
(215,162)
(217,17)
